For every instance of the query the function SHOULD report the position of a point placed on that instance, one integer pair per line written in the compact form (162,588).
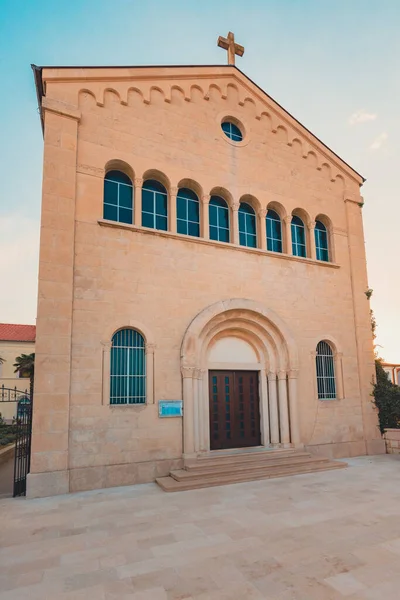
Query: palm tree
(25,366)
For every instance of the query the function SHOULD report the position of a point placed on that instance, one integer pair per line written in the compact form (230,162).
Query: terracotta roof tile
(17,333)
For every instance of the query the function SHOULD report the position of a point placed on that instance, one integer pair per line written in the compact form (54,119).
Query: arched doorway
(239,357)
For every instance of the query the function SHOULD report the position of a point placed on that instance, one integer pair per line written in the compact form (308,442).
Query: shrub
(387,399)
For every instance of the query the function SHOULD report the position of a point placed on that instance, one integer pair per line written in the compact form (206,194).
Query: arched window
(298,237)
(247,226)
(321,241)
(128,368)
(218,213)
(188,212)
(325,372)
(274,231)
(117,201)
(154,205)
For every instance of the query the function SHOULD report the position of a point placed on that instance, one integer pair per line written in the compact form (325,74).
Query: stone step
(169,484)
(238,467)
(249,458)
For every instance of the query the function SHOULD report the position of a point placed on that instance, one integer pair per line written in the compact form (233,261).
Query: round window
(232,131)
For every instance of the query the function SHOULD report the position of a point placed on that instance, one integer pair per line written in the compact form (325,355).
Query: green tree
(387,399)
(25,366)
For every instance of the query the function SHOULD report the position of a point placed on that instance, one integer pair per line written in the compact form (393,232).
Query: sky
(333,64)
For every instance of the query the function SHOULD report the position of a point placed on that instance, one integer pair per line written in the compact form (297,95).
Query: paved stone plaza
(330,536)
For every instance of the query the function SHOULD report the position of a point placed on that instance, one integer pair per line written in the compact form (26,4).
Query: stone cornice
(60,108)
(222,245)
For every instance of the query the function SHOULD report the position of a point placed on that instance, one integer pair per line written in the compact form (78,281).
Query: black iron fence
(18,426)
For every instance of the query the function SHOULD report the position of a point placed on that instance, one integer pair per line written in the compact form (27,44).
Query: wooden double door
(234,409)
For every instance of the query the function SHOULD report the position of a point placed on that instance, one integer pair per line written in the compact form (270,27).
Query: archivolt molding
(255,322)
(247,108)
(120,323)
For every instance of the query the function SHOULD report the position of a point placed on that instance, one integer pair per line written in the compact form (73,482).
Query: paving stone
(325,536)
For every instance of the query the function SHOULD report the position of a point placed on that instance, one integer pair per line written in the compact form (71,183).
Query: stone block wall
(392,440)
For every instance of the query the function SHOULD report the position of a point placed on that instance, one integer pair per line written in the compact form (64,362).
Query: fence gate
(19,421)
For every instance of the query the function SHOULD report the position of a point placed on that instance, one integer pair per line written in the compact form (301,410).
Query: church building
(202,279)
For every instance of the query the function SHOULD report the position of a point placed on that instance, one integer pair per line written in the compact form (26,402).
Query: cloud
(19,253)
(379,141)
(361,116)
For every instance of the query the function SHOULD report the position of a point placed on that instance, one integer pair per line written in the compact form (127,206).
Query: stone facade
(185,293)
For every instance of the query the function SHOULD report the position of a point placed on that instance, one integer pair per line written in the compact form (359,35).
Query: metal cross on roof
(228,43)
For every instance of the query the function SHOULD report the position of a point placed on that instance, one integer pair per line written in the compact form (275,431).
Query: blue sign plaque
(170,408)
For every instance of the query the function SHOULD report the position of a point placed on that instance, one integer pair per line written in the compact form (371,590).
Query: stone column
(150,349)
(311,249)
(197,376)
(293,410)
(339,376)
(235,223)
(49,474)
(273,409)
(287,224)
(205,225)
(262,230)
(264,412)
(172,209)
(106,357)
(137,203)
(283,409)
(188,411)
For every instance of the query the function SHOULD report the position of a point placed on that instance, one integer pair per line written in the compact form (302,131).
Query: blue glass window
(188,212)
(154,205)
(117,200)
(325,364)
(298,237)
(232,131)
(321,241)
(274,231)
(247,226)
(128,368)
(218,213)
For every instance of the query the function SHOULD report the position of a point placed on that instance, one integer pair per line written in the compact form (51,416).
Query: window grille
(218,214)
(232,131)
(128,368)
(247,226)
(154,205)
(325,372)
(321,242)
(188,212)
(298,237)
(117,201)
(274,232)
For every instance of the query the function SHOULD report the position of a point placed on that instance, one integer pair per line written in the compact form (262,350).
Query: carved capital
(150,348)
(198,374)
(106,344)
(271,376)
(236,206)
(282,375)
(293,374)
(173,191)
(138,182)
(287,219)
(262,213)
(206,198)
(188,372)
